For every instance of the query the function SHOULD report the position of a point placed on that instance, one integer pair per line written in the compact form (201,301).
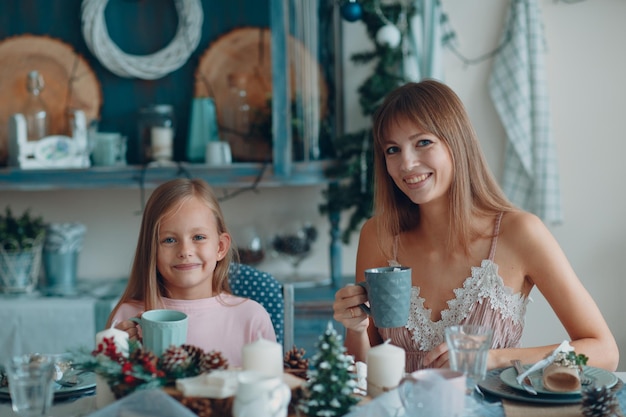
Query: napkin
(361,376)
(563,347)
(217,384)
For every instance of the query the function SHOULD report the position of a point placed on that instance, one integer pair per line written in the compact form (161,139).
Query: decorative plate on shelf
(245,53)
(69,82)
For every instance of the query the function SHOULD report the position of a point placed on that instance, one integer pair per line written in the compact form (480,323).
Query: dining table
(155,403)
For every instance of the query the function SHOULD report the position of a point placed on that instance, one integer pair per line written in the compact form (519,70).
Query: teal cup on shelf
(389,293)
(161,329)
(202,128)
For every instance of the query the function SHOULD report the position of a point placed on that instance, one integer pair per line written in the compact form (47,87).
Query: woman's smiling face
(419,163)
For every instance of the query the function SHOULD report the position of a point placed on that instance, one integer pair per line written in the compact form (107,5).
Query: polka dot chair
(276,297)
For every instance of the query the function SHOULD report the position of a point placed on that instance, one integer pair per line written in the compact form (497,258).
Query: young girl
(474,257)
(181,263)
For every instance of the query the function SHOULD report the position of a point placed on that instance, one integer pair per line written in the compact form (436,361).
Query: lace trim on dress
(484,285)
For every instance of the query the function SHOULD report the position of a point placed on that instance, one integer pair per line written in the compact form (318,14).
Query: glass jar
(235,111)
(157,127)
(34,110)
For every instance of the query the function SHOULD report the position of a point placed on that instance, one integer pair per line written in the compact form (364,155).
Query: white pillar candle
(104,395)
(263,356)
(120,338)
(162,141)
(385,368)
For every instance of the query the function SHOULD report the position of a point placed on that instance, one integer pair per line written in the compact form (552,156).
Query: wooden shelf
(237,175)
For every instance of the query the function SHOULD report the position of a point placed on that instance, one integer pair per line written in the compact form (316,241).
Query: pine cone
(144,357)
(175,360)
(295,363)
(200,406)
(600,402)
(195,354)
(212,361)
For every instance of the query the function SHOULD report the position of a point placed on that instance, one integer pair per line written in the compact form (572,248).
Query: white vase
(19,270)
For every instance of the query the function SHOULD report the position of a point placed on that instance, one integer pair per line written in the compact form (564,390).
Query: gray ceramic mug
(389,293)
(161,329)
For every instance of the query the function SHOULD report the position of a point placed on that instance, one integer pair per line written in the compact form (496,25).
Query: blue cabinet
(298,157)
(298,30)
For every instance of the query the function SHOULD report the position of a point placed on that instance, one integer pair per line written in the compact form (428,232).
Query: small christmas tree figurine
(329,389)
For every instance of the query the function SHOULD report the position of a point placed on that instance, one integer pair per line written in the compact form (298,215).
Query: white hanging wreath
(147,67)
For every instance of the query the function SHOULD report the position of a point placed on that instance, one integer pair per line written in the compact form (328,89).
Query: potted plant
(21,243)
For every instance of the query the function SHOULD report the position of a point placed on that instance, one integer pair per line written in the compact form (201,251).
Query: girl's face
(419,163)
(189,247)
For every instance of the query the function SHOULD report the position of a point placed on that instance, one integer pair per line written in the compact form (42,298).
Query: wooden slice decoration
(243,55)
(69,82)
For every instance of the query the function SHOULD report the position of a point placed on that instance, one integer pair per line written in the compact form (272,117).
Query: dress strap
(494,241)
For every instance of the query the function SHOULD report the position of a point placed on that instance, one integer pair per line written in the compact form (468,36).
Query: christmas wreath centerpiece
(127,370)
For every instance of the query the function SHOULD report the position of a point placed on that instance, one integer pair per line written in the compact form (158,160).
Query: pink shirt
(224,323)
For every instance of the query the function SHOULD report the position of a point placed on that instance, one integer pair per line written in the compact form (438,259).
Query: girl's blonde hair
(436,109)
(145,283)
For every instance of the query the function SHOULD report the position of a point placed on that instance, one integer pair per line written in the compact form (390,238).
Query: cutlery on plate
(526,382)
(585,380)
(71,380)
(68,382)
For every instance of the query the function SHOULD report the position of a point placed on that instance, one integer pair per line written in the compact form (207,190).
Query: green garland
(353,188)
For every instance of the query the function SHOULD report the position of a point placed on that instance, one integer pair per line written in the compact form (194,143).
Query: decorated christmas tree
(353,151)
(329,389)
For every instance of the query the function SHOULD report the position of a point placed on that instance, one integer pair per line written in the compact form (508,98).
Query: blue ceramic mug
(161,329)
(389,293)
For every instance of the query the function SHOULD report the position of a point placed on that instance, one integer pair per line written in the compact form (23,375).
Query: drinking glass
(31,384)
(468,346)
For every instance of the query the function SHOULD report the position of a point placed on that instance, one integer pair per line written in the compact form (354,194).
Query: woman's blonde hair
(145,283)
(436,109)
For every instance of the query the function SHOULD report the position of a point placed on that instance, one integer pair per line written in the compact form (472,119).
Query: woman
(474,256)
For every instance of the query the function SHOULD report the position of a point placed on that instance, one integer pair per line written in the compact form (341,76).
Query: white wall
(586,68)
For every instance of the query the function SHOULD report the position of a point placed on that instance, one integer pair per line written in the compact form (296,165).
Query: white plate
(493,385)
(86,382)
(599,377)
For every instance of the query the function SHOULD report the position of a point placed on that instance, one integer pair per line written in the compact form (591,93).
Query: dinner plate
(493,385)
(86,382)
(597,375)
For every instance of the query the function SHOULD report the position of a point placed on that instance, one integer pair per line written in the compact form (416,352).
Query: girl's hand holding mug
(130,327)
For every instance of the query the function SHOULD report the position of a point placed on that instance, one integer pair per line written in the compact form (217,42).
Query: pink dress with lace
(483,299)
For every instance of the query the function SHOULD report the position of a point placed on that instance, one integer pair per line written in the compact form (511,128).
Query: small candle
(385,368)
(120,338)
(161,141)
(263,356)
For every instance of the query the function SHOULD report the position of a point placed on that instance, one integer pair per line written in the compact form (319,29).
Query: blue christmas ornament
(351,10)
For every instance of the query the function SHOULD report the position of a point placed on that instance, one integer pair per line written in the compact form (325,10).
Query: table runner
(520,409)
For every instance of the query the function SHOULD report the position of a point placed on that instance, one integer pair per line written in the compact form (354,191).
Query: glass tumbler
(31,384)
(468,346)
